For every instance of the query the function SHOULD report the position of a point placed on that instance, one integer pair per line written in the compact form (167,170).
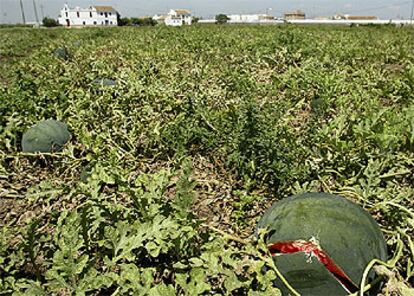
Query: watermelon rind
(342,229)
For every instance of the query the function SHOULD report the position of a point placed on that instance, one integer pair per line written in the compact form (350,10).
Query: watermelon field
(181,138)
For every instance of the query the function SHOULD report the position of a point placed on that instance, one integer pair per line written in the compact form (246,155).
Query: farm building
(159,18)
(178,17)
(355,17)
(295,15)
(91,16)
(249,18)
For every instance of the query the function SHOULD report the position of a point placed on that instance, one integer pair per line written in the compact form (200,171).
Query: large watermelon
(46,136)
(322,243)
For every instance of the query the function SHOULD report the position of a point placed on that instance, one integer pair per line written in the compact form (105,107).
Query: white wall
(175,22)
(349,22)
(245,18)
(209,21)
(251,19)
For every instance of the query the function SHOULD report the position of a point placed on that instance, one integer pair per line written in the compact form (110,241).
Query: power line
(22,9)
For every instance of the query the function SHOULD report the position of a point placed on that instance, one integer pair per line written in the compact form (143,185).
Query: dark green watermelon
(62,53)
(46,136)
(102,82)
(322,243)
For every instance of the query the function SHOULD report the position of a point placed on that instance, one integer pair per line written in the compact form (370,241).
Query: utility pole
(412,12)
(35,11)
(22,9)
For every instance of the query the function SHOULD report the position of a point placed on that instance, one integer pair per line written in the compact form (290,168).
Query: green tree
(221,18)
(123,21)
(135,21)
(49,22)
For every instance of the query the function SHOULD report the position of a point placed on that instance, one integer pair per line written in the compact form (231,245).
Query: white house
(178,17)
(91,16)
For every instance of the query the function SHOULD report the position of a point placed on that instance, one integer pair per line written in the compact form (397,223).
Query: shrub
(49,22)
(221,18)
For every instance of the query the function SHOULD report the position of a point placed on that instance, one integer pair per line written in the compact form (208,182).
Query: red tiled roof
(182,11)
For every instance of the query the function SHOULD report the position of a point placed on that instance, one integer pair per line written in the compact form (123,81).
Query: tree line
(136,21)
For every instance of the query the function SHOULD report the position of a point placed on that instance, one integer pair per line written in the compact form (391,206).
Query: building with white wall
(178,17)
(91,16)
(354,17)
(249,18)
(295,15)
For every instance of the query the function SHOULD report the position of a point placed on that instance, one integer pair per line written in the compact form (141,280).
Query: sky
(385,9)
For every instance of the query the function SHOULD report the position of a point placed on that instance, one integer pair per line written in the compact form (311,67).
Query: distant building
(266,17)
(355,17)
(91,16)
(160,18)
(178,17)
(249,18)
(361,17)
(295,15)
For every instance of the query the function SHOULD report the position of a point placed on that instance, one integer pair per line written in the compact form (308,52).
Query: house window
(90,14)
(78,14)
(111,23)
(101,13)
(110,13)
(106,14)
(66,14)
(94,22)
(84,23)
